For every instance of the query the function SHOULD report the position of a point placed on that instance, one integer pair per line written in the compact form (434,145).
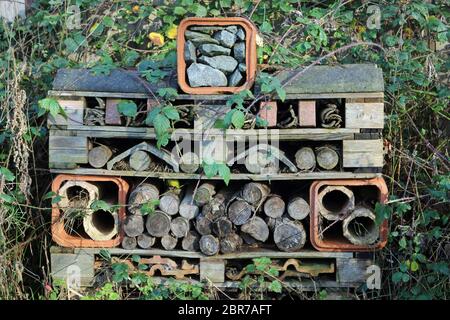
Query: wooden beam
(364,115)
(362,153)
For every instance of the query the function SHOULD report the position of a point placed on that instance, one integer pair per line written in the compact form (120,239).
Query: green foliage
(160,118)
(212,169)
(149,207)
(51,106)
(127,108)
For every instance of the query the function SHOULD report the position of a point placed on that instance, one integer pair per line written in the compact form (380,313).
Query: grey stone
(189,52)
(232,29)
(242,67)
(206,29)
(239,51)
(199,38)
(214,50)
(225,64)
(201,75)
(234,79)
(200,41)
(226,38)
(241,34)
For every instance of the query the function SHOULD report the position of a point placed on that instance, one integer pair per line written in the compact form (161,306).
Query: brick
(268,111)
(307,113)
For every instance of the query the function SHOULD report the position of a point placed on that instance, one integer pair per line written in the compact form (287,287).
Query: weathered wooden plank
(243,254)
(334,79)
(352,270)
(364,115)
(74,109)
(64,142)
(212,270)
(235,176)
(68,156)
(310,134)
(362,153)
(66,265)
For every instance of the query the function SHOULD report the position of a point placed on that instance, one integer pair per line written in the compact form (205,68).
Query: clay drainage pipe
(360,227)
(335,202)
(101,224)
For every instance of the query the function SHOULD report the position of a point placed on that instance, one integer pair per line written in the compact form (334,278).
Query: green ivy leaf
(238,119)
(6,174)
(171,112)
(100,205)
(179,11)
(275,286)
(6,198)
(127,108)
(397,277)
(224,172)
(51,106)
(161,123)
(200,11)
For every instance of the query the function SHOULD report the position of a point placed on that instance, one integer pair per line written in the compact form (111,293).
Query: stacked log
(210,222)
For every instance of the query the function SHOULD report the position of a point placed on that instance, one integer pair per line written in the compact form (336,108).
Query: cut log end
(327,158)
(274,207)
(129,243)
(257,228)
(298,208)
(191,241)
(99,156)
(158,224)
(140,195)
(145,241)
(204,194)
(239,212)
(222,227)
(231,243)
(289,236)
(360,227)
(140,160)
(169,242)
(209,245)
(133,225)
(169,203)
(189,162)
(254,192)
(179,227)
(305,159)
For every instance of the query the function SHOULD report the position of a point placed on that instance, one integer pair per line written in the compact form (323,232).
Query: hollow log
(231,243)
(99,156)
(327,157)
(204,193)
(133,225)
(189,162)
(335,202)
(188,209)
(169,242)
(140,195)
(239,212)
(255,192)
(360,227)
(145,241)
(298,208)
(169,202)
(158,224)
(289,236)
(140,160)
(257,228)
(222,227)
(129,243)
(203,224)
(179,227)
(76,195)
(101,225)
(209,245)
(305,159)
(191,241)
(274,206)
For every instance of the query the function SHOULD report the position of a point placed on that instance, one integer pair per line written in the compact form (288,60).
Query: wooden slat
(364,115)
(74,109)
(235,176)
(65,142)
(362,153)
(230,135)
(68,156)
(212,270)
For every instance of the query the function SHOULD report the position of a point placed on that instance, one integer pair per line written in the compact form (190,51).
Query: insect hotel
(304,177)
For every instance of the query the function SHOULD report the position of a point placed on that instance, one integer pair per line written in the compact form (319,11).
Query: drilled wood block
(74,110)
(268,111)
(364,115)
(362,153)
(112,115)
(307,113)
(212,270)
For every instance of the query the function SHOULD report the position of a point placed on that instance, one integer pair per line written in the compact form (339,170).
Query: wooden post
(133,225)
(145,241)
(188,209)
(129,243)
(169,203)
(307,113)
(179,227)
(189,162)
(99,156)
(231,243)
(140,195)
(289,236)
(268,111)
(239,212)
(257,228)
(204,193)
(274,206)
(327,157)
(169,242)
(254,192)
(305,159)
(298,208)
(158,224)
(209,245)
(140,160)
(191,241)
